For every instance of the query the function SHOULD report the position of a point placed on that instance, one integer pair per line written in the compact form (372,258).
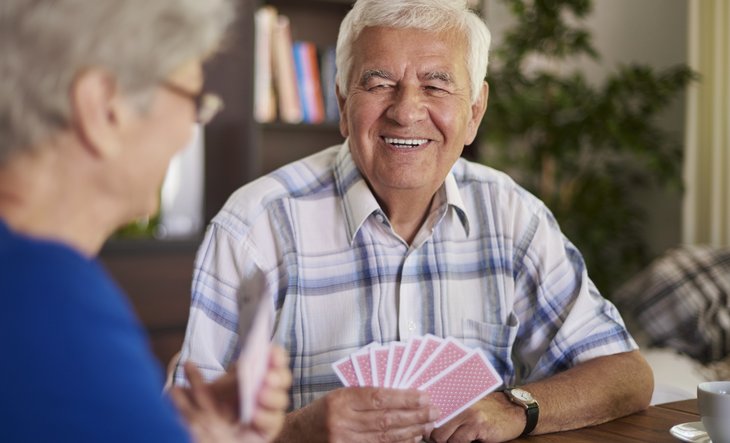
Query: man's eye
(379,87)
(436,89)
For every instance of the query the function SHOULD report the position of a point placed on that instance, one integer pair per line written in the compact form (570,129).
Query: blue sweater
(74,362)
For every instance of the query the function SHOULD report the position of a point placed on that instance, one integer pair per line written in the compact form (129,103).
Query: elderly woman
(95,99)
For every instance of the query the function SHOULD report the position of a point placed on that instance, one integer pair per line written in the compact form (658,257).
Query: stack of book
(294,81)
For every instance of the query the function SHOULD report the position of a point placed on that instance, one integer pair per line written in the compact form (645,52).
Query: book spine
(317,101)
(290,110)
(303,81)
(264,97)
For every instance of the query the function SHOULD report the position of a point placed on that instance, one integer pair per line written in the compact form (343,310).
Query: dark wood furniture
(156,275)
(650,426)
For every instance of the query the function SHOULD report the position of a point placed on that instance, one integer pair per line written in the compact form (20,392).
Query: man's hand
(593,392)
(212,410)
(363,415)
(492,419)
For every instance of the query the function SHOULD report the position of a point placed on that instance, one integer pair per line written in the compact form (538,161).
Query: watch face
(522,395)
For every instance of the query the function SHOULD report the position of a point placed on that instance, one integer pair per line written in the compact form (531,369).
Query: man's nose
(408,106)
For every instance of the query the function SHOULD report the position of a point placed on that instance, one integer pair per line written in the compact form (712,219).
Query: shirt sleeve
(564,319)
(225,276)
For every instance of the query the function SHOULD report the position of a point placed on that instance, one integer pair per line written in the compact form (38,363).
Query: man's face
(408,111)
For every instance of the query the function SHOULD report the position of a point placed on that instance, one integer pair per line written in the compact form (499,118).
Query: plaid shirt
(489,267)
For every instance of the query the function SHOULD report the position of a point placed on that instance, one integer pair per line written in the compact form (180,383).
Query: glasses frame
(207,104)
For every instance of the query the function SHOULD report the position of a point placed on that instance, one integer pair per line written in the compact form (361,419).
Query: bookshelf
(316,21)
(157,274)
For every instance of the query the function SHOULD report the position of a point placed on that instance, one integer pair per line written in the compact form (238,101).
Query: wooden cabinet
(157,274)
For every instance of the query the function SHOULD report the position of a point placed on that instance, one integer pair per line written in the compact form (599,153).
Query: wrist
(530,408)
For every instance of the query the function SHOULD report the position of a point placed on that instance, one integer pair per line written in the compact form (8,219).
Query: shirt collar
(454,200)
(360,203)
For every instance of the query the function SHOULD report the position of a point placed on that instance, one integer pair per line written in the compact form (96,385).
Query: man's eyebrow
(374,73)
(439,75)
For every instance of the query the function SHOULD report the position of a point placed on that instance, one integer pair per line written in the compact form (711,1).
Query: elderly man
(95,99)
(392,235)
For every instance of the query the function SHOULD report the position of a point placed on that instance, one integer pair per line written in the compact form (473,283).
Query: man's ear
(343,112)
(96,111)
(477,113)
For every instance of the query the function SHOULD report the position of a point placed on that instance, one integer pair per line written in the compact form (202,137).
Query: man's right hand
(363,415)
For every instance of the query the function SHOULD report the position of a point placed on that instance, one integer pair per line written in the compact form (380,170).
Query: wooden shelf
(300,127)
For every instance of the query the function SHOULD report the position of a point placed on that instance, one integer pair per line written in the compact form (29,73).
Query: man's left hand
(492,419)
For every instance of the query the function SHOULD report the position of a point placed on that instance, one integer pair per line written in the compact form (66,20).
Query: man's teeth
(405,142)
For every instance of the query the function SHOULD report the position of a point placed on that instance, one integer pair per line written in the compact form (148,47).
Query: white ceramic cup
(713,398)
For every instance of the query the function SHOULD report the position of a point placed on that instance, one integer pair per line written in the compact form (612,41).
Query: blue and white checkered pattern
(489,267)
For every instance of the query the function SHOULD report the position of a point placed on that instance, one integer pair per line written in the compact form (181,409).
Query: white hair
(430,15)
(45,44)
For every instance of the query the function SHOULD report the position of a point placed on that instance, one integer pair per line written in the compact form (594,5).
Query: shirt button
(380,218)
(411,326)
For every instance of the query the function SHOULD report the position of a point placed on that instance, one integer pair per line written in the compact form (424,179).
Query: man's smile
(405,143)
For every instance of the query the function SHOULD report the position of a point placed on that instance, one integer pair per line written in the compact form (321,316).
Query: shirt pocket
(496,340)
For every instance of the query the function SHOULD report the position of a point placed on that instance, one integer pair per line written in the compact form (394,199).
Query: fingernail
(433,414)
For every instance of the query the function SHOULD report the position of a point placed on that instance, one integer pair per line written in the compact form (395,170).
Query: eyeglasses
(207,105)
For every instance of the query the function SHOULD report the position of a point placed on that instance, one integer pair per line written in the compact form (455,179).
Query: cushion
(681,301)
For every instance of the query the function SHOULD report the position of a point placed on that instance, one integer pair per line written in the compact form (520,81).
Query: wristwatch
(526,400)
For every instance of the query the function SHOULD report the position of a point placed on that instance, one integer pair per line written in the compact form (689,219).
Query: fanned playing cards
(455,376)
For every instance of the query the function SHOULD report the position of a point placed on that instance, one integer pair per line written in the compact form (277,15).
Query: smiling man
(392,235)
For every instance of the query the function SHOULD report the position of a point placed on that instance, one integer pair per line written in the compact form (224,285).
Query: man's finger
(405,434)
(386,420)
(384,398)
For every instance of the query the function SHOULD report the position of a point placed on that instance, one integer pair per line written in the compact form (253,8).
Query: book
(285,80)
(308,82)
(264,98)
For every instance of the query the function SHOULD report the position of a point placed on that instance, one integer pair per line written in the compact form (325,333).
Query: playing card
(427,347)
(449,352)
(254,358)
(345,371)
(379,364)
(461,385)
(395,353)
(408,354)
(361,362)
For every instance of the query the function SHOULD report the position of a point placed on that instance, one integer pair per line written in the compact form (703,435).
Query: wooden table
(651,425)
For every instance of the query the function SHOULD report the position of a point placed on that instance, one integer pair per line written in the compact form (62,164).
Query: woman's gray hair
(429,15)
(45,44)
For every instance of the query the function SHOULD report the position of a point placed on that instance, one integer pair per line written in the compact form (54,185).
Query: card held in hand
(255,325)
(461,385)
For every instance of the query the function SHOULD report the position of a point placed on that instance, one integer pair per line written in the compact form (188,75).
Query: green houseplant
(584,149)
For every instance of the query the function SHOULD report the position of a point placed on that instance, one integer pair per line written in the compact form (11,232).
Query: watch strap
(532,412)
